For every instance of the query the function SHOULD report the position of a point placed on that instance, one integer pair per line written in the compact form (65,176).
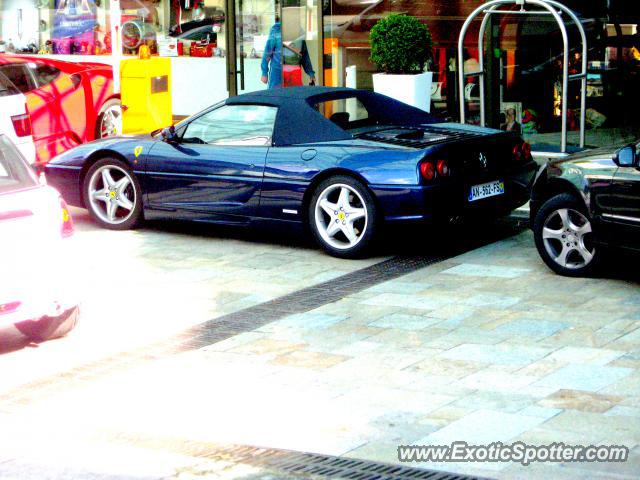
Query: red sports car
(69,103)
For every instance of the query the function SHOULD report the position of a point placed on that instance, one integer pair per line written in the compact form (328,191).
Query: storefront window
(55,26)
(530,83)
(83,27)
(174,28)
(523,61)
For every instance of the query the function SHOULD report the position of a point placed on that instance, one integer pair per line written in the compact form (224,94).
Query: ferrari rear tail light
(67,222)
(428,170)
(442,168)
(516,152)
(522,152)
(22,125)
(6,308)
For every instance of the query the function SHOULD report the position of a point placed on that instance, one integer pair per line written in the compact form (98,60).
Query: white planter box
(414,90)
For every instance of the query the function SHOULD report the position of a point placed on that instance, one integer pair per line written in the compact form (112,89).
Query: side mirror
(169,134)
(626,157)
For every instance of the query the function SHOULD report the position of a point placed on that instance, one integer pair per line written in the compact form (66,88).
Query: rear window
(15,173)
(347,113)
(19,75)
(6,87)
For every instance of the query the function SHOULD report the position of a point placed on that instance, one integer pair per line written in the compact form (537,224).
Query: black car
(584,203)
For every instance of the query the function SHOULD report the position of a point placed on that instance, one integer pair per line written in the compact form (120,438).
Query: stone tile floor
(487,346)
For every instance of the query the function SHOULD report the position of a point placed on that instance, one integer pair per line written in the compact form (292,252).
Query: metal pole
(487,10)
(320,40)
(463,32)
(483,27)
(583,81)
(115,16)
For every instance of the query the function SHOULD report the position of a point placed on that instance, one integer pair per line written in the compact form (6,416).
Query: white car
(37,298)
(14,118)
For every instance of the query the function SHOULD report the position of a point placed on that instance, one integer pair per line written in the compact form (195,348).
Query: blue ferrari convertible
(340,161)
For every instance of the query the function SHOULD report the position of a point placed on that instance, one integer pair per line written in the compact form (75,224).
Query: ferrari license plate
(485,190)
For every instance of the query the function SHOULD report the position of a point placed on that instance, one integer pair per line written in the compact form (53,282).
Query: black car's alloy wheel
(343,217)
(563,234)
(112,194)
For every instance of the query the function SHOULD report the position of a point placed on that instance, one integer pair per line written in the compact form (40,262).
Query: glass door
(254,33)
(301,37)
(275,44)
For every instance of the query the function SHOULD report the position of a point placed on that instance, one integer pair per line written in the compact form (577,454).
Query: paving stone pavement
(487,346)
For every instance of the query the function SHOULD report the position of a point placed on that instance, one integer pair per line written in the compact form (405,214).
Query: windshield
(15,173)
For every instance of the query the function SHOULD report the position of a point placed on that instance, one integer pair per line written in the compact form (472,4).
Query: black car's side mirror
(626,157)
(169,134)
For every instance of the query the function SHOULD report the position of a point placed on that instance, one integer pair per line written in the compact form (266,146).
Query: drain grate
(278,462)
(309,298)
(226,326)
(305,464)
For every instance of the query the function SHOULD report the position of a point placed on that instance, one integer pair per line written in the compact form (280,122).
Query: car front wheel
(563,234)
(343,217)
(113,195)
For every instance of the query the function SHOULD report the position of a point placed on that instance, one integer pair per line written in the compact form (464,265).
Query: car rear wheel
(342,216)
(563,234)
(113,195)
(109,122)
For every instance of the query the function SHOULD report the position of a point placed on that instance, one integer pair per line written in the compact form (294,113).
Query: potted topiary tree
(401,48)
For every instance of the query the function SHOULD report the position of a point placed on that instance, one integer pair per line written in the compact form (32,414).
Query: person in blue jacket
(294,53)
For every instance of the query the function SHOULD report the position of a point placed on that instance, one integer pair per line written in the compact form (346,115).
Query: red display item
(202,50)
(292,75)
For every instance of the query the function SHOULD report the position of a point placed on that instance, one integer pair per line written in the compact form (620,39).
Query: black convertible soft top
(299,122)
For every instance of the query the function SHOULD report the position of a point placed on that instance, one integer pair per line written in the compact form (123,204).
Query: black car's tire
(343,217)
(102,194)
(563,233)
(109,119)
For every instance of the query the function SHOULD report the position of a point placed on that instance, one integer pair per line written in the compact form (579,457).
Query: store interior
(524,64)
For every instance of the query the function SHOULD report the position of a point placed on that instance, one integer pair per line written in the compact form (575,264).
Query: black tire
(135,191)
(365,228)
(114,102)
(56,327)
(548,212)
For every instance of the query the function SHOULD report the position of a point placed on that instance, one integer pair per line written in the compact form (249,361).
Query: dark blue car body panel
(240,184)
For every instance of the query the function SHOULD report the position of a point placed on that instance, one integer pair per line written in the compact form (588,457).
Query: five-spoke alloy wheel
(342,216)
(564,236)
(109,122)
(112,194)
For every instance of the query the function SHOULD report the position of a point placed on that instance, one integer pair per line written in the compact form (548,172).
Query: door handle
(309,154)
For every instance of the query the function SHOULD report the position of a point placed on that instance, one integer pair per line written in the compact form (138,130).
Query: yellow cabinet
(145,89)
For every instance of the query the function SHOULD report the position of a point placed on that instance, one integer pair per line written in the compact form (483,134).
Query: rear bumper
(430,203)
(18,332)
(67,181)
